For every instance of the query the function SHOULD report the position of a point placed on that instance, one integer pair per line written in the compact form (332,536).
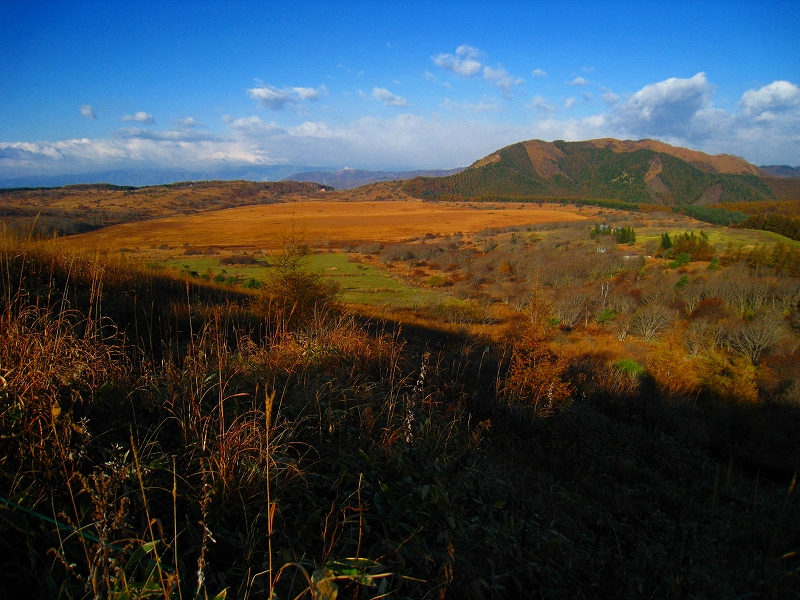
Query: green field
(718,236)
(359,283)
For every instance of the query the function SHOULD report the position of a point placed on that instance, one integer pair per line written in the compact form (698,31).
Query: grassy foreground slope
(164,438)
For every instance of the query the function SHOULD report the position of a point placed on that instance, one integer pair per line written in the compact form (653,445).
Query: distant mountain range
(347,179)
(344,179)
(630,171)
(154,176)
(646,171)
(780,170)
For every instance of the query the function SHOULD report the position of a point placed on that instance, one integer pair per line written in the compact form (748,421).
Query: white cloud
(139,117)
(765,129)
(388,98)
(183,135)
(610,98)
(665,108)
(466,61)
(482,106)
(278,98)
(251,125)
(187,123)
(541,106)
(779,96)
(87,112)
(570,102)
(539,73)
(501,79)
(578,81)
(430,76)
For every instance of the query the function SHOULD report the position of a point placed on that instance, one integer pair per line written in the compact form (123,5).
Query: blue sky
(89,86)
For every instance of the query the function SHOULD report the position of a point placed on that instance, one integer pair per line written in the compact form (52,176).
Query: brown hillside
(784,188)
(719,163)
(544,157)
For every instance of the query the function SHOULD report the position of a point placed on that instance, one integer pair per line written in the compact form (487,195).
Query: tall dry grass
(162,439)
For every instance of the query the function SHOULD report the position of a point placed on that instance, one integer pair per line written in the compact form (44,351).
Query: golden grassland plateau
(265,226)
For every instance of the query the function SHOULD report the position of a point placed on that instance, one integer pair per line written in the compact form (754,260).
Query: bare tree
(705,334)
(572,309)
(658,293)
(736,294)
(651,320)
(620,302)
(758,293)
(753,339)
(622,326)
(692,294)
(786,294)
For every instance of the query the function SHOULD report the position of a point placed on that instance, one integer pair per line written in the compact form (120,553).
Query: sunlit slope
(642,171)
(265,226)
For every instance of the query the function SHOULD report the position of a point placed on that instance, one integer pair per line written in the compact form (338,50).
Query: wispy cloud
(569,103)
(541,106)
(539,73)
(139,117)
(578,81)
(482,106)
(278,98)
(466,61)
(610,98)
(500,77)
(388,98)
(187,123)
(175,135)
(87,112)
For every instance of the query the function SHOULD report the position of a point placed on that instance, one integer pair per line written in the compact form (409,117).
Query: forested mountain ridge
(645,171)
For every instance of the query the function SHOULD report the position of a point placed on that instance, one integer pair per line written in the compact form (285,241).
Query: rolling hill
(84,207)
(644,171)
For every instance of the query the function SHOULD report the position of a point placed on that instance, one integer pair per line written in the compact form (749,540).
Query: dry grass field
(326,222)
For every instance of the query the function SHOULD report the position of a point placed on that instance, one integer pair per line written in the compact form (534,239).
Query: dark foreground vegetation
(168,439)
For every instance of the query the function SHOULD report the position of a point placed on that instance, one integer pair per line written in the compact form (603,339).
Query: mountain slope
(780,170)
(631,171)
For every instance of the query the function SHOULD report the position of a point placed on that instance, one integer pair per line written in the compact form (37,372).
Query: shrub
(294,295)
(238,259)
(535,378)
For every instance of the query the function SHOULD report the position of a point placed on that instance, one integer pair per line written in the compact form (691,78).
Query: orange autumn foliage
(535,376)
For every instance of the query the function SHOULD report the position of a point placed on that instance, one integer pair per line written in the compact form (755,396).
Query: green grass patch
(628,365)
(359,283)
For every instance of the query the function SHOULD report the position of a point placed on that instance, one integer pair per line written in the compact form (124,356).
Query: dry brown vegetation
(574,419)
(78,208)
(337,222)
(567,415)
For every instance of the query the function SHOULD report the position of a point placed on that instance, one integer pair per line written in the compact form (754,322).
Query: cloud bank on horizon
(441,110)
